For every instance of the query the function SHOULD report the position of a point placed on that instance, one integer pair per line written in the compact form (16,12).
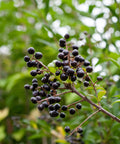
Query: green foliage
(41,25)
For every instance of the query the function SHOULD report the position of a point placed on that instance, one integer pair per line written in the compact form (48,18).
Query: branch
(95,105)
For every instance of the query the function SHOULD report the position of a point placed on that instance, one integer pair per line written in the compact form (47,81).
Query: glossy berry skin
(65,52)
(51,107)
(57,73)
(75,47)
(34,80)
(42,93)
(89,69)
(81,59)
(62,43)
(35,93)
(58,64)
(57,99)
(33,100)
(63,77)
(31,50)
(73,78)
(46,87)
(65,68)
(62,115)
(80,73)
(79,130)
(51,100)
(86,83)
(72,111)
(57,106)
(99,78)
(78,106)
(44,79)
(86,63)
(75,52)
(26,58)
(53,113)
(61,49)
(77,58)
(61,55)
(74,63)
(38,98)
(66,36)
(55,85)
(87,78)
(29,64)
(67,129)
(27,86)
(40,107)
(64,108)
(35,84)
(45,104)
(38,55)
(70,72)
(33,73)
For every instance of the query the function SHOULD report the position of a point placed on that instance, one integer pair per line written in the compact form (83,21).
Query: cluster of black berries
(70,66)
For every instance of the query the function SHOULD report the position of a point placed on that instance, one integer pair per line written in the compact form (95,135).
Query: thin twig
(84,121)
(75,103)
(63,93)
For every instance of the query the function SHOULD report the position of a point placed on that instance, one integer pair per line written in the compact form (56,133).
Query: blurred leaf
(101,94)
(2,133)
(117,101)
(4,113)
(114,61)
(18,134)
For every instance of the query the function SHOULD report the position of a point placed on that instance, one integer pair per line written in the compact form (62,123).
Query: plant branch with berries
(69,70)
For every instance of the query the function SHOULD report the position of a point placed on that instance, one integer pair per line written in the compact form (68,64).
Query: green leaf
(19,134)
(117,101)
(2,133)
(101,94)
(114,61)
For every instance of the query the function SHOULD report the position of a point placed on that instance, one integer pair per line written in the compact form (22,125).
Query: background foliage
(40,24)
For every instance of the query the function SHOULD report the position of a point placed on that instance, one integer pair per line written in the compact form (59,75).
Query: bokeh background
(40,24)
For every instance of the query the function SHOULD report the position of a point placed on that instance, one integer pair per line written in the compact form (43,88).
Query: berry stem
(84,121)
(75,103)
(63,93)
(95,105)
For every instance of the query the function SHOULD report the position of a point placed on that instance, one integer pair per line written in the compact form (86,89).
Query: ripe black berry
(89,69)
(80,73)
(57,73)
(58,63)
(35,84)
(79,130)
(74,63)
(65,68)
(70,72)
(55,85)
(66,36)
(62,115)
(46,87)
(33,100)
(57,99)
(38,98)
(64,108)
(81,59)
(31,50)
(51,107)
(34,80)
(67,128)
(29,64)
(86,83)
(61,55)
(63,77)
(75,47)
(26,58)
(27,86)
(72,111)
(65,52)
(62,43)
(42,93)
(47,75)
(86,63)
(38,55)
(73,78)
(44,79)
(45,104)
(53,113)
(99,78)
(61,49)
(51,100)
(75,52)
(33,73)
(57,106)
(87,78)
(78,106)
(40,107)
(77,58)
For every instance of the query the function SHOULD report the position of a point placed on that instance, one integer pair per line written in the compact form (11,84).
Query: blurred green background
(40,24)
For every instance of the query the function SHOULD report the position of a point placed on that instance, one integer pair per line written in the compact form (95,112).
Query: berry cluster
(70,67)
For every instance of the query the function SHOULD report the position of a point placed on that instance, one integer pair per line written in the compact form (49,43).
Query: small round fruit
(72,111)
(51,100)
(31,50)
(55,85)
(79,130)
(80,73)
(34,80)
(62,115)
(58,64)
(63,77)
(86,83)
(64,108)
(62,43)
(73,78)
(33,100)
(87,78)
(86,63)
(57,106)
(57,99)
(57,73)
(38,55)
(26,58)
(65,52)
(61,49)
(75,47)
(67,129)
(53,113)
(40,107)
(78,106)
(61,55)
(70,72)
(75,52)
(89,69)
(66,36)
(74,63)
(51,107)
(27,86)
(99,78)
(38,98)
(33,73)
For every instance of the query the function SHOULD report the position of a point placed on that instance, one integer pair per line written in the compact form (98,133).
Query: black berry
(78,106)
(38,55)
(33,100)
(99,78)
(66,36)
(64,108)
(62,115)
(67,128)
(72,111)
(63,77)
(26,58)
(33,73)
(86,83)
(31,50)
(75,52)
(89,69)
